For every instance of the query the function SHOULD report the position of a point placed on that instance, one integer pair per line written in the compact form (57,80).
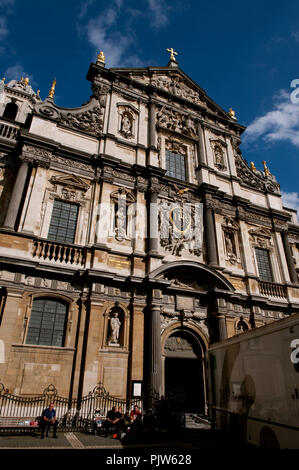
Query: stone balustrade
(58,252)
(271,289)
(8,131)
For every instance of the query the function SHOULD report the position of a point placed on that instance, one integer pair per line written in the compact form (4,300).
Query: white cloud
(158,13)
(84,8)
(104,34)
(7,3)
(113,32)
(16,72)
(3,28)
(290,200)
(279,124)
(7,6)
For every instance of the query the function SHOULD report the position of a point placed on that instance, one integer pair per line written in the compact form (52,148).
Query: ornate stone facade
(137,218)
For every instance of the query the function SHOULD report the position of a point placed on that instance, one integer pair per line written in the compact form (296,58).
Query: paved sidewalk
(186,439)
(189,446)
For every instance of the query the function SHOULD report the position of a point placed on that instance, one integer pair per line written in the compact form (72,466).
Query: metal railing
(270,289)
(54,251)
(8,132)
(73,414)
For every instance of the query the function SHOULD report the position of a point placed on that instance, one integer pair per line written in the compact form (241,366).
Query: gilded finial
(37,93)
(26,81)
(101,57)
(172,53)
(252,166)
(3,79)
(232,113)
(52,89)
(266,169)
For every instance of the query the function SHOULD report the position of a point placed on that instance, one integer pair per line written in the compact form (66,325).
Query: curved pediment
(253,178)
(88,118)
(190,274)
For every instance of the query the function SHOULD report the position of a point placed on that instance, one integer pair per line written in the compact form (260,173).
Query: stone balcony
(59,252)
(8,132)
(271,289)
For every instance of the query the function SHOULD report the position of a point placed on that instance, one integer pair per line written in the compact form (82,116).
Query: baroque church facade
(133,234)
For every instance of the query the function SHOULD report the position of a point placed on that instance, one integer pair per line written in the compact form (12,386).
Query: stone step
(195,421)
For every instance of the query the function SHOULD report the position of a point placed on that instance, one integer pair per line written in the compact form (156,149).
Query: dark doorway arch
(184,372)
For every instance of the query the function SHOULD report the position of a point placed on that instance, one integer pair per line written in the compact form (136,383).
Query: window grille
(47,323)
(264,264)
(175,165)
(63,222)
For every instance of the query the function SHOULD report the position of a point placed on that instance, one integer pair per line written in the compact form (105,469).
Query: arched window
(11,111)
(47,322)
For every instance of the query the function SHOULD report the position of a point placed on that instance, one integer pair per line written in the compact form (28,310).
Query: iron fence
(73,414)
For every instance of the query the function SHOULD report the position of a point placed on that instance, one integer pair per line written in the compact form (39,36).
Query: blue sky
(244,54)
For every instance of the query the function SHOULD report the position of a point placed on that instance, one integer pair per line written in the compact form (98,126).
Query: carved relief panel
(176,121)
(180,227)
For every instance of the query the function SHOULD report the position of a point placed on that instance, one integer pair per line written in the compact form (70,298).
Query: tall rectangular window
(175,165)
(264,264)
(47,323)
(63,222)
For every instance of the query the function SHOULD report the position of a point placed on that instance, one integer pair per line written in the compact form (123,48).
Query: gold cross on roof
(172,52)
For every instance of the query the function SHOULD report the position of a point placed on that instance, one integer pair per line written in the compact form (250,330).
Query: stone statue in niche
(120,231)
(126,124)
(219,159)
(229,243)
(230,247)
(115,325)
(242,325)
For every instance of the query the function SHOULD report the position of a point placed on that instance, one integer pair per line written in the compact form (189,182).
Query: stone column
(200,145)
(289,257)
(153,222)
(15,200)
(155,359)
(222,331)
(152,125)
(210,235)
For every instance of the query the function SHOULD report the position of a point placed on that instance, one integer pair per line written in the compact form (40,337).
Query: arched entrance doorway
(184,378)
(190,297)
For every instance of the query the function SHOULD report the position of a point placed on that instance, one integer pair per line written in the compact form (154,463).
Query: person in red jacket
(135,414)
